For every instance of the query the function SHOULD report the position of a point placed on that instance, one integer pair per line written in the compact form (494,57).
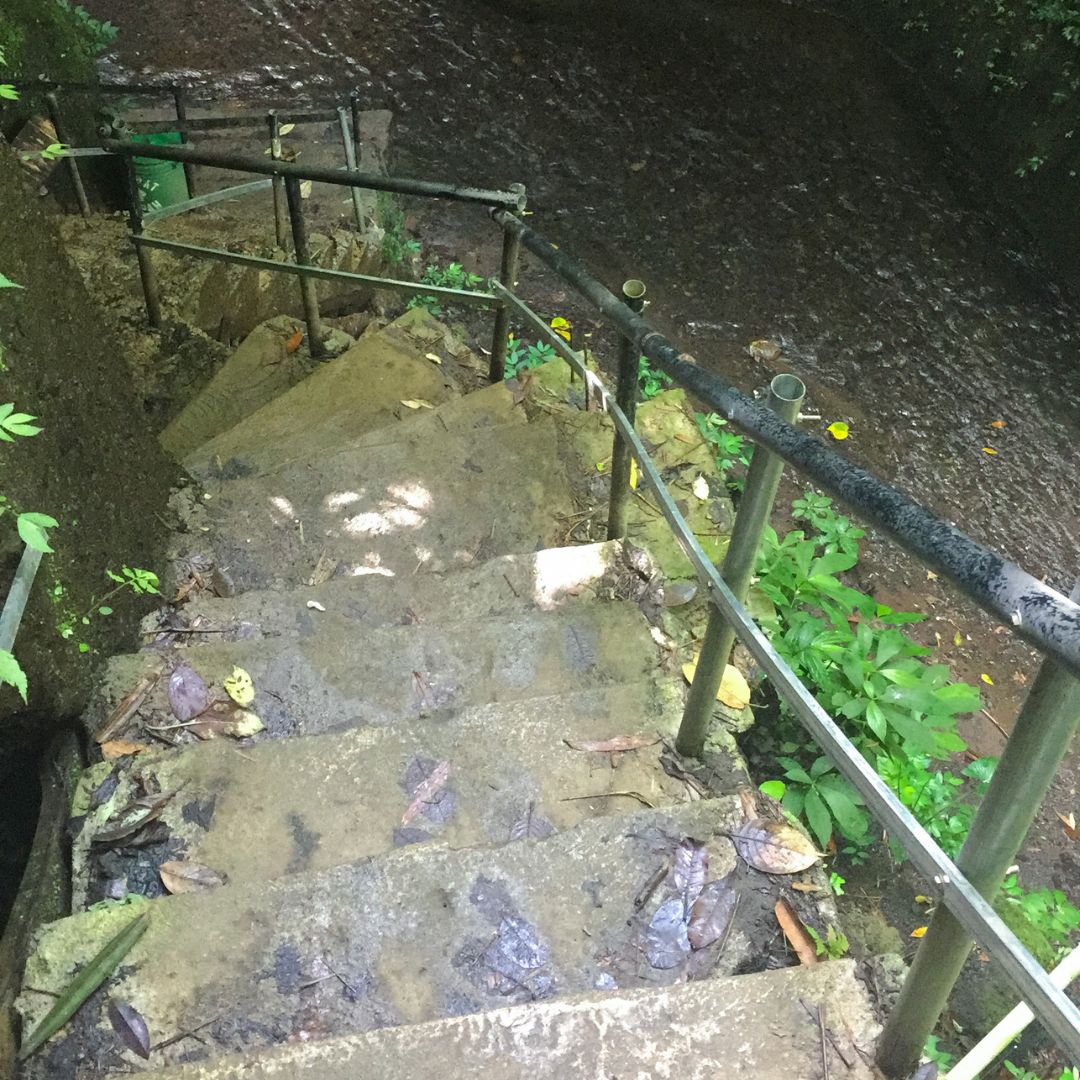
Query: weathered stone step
(358,392)
(413,935)
(332,681)
(317,802)
(419,503)
(753,1027)
(509,584)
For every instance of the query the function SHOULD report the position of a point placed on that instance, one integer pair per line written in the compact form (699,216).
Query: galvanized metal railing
(1031,609)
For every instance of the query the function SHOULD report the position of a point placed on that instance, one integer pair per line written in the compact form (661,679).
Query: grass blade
(85,983)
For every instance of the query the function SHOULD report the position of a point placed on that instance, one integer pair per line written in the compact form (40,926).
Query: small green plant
(651,381)
(932,1052)
(397,246)
(1025,1074)
(521,356)
(140,582)
(837,883)
(97,34)
(1048,910)
(452,276)
(832,946)
(729,447)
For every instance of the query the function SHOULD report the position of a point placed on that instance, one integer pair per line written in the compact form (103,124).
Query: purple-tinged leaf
(531,826)
(130,1027)
(711,914)
(666,943)
(689,870)
(188,694)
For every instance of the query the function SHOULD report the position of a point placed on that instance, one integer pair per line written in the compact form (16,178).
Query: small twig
(832,1038)
(646,891)
(188,630)
(188,1034)
(636,795)
(36,990)
(1001,730)
(824,1047)
(506,578)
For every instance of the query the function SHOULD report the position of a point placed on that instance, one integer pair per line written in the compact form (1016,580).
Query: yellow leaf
(633,473)
(734,691)
(285,129)
(305,189)
(924,899)
(600,466)
(918,931)
(931,576)
(986,679)
(240,687)
(958,638)
(561,327)
(701,487)
(838,430)
(417,403)
(989,450)
(433,357)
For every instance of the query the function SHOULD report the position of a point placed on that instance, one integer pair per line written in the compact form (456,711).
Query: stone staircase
(419,865)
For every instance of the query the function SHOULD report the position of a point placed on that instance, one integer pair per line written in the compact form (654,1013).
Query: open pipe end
(633,289)
(787,388)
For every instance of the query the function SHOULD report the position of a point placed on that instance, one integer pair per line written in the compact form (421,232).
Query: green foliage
(7,283)
(932,1051)
(837,883)
(140,582)
(523,357)
(832,946)
(1047,910)
(1025,1074)
(98,35)
(69,620)
(452,276)
(397,246)
(729,447)
(32,528)
(11,673)
(651,381)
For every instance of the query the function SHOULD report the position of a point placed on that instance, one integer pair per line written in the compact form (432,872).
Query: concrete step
(316,802)
(324,680)
(753,1027)
(506,585)
(419,503)
(258,371)
(358,392)
(414,935)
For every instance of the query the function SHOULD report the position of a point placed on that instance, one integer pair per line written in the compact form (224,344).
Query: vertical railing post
(354,110)
(626,396)
(180,101)
(1036,746)
(72,165)
(786,393)
(274,131)
(308,293)
(349,146)
(508,271)
(146,267)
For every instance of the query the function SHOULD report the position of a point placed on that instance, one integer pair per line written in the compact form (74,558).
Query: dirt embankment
(96,467)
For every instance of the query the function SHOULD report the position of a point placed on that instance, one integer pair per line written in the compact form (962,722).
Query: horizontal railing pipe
(1036,612)
(227,122)
(263,166)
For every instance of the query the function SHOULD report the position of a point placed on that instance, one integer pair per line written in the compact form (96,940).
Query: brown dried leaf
(796,933)
(130,819)
(130,1027)
(294,342)
(531,826)
(183,877)
(225,718)
(618,744)
(666,942)
(775,847)
(1068,823)
(126,708)
(115,748)
(427,790)
(712,913)
(689,870)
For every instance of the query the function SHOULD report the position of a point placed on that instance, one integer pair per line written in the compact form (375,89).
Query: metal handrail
(1034,611)
(1047,1001)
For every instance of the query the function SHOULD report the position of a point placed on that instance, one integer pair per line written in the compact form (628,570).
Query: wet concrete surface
(764,170)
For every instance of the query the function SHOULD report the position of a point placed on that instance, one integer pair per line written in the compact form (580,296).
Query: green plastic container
(160,183)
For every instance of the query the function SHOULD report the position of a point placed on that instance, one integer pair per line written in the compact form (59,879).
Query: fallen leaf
(838,430)
(240,687)
(712,913)
(931,576)
(88,979)
(130,819)
(677,593)
(435,358)
(130,1027)
(1068,823)
(188,694)
(126,708)
(796,933)
(285,129)
(637,166)
(700,487)
(997,423)
(986,679)
(305,189)
(689,870)
(531,826)
(920,899)
(765,350)
(988,450)
(805,887)
(417,403)
(294,341)
(633,473)
(426,791)
(958,638)
(561,327)
(734,691)
(225,718)
(775,847)
(617,745)
(183,877)
(666,940)
(115,748)
(315,605)
(918,931)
